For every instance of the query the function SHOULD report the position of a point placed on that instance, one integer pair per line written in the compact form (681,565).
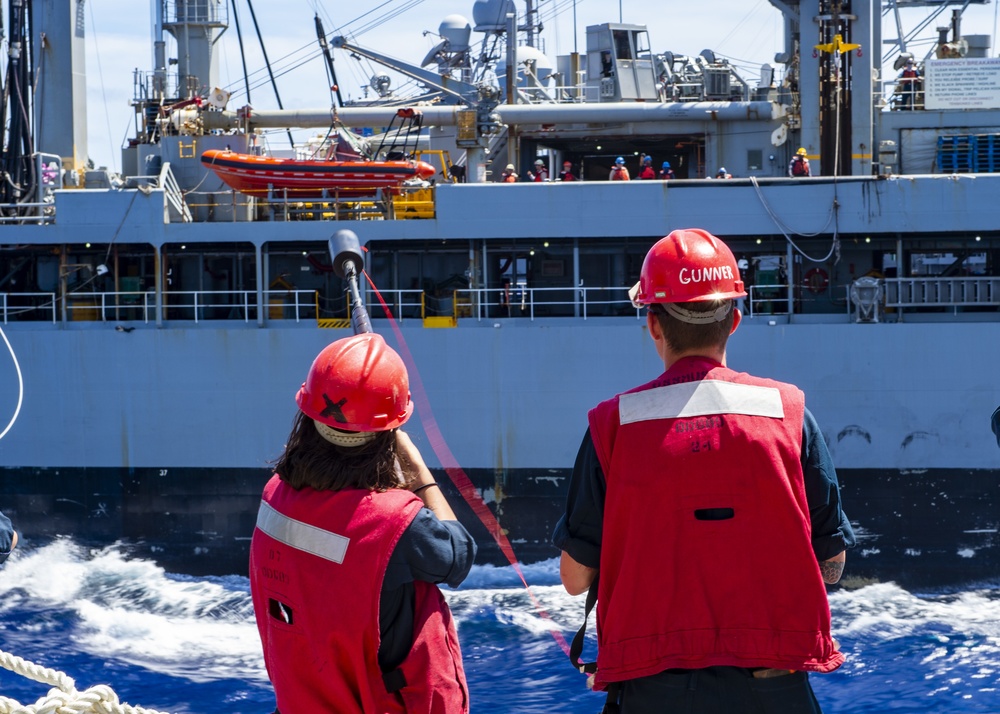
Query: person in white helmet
(540,173)
(703,514)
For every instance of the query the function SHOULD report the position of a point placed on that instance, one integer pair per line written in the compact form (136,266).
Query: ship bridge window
(623,47)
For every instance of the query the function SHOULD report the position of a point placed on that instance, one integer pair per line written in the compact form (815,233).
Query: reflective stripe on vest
(691,399)
(302,536)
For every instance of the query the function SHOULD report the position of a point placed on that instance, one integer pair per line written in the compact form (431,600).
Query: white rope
(64,699)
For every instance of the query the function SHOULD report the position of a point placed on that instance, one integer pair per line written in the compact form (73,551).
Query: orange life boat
(256,175)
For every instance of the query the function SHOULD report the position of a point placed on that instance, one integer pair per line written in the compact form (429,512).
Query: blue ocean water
(189,645)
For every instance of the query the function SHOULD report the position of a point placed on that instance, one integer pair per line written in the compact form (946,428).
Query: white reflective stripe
(301,535)
(692,399)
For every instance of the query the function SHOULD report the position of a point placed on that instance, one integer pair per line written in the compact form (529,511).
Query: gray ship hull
(161,438)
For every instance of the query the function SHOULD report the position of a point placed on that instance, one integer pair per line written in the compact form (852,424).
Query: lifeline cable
(20,384)
(455,472)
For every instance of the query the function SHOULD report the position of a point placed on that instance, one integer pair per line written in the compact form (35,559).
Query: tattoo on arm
(831,570)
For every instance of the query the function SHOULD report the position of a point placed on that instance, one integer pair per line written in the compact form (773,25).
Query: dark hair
(310,460)
(683,336)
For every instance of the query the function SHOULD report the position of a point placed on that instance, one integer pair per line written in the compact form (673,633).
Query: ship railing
(38,212)
(25,306)
(767,300)
(942,292)
(413,304)
(285,204)
(104,306)
(196,305)
(203,305)
(522,301)
(174,195)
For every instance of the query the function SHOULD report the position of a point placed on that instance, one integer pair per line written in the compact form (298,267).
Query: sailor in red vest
(352,536)
(705,511)
(540,174)
(646,171)
(799,165)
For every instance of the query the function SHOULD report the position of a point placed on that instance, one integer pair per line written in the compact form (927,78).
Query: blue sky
(748,32)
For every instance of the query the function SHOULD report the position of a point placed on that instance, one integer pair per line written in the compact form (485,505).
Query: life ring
(816,280)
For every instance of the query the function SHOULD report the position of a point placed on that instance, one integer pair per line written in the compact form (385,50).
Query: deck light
(978,238)
(759,241)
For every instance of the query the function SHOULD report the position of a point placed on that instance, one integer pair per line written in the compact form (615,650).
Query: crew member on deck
(646,172)
(908,84)
(705,511)
(540,173)
(567,172)
(666,173)
(722,173)
(619,172)
(352,536)
(508,175)
(799,165)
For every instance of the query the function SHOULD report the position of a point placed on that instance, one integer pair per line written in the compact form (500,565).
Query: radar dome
(544,69)
(457,30)
(491,15)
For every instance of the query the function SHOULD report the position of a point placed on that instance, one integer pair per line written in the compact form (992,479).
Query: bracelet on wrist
(418,489)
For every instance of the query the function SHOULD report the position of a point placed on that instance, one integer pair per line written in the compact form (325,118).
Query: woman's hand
(411,463)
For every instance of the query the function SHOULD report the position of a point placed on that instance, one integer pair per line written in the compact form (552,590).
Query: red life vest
(647,173)
(317,561)
(800,167)
(706,557)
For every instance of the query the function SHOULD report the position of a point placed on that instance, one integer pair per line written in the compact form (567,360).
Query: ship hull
(930,528)
(177,473)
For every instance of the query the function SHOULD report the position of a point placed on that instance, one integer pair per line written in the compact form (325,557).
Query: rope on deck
(64,698)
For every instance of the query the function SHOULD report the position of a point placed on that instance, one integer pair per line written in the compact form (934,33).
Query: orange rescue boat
(256,175)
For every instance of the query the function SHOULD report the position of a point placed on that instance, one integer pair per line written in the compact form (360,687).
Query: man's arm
(832,534)
(831,569)
(576,578)
(579,532)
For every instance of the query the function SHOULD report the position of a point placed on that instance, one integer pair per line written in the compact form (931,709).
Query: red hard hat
(688,266)
(358,383)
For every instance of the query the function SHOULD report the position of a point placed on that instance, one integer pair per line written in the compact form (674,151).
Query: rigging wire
(243,57)
(267,62)
(104,94)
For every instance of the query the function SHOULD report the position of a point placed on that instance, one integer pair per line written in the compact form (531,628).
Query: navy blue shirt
(6,537)
(580,530)
(431,550)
